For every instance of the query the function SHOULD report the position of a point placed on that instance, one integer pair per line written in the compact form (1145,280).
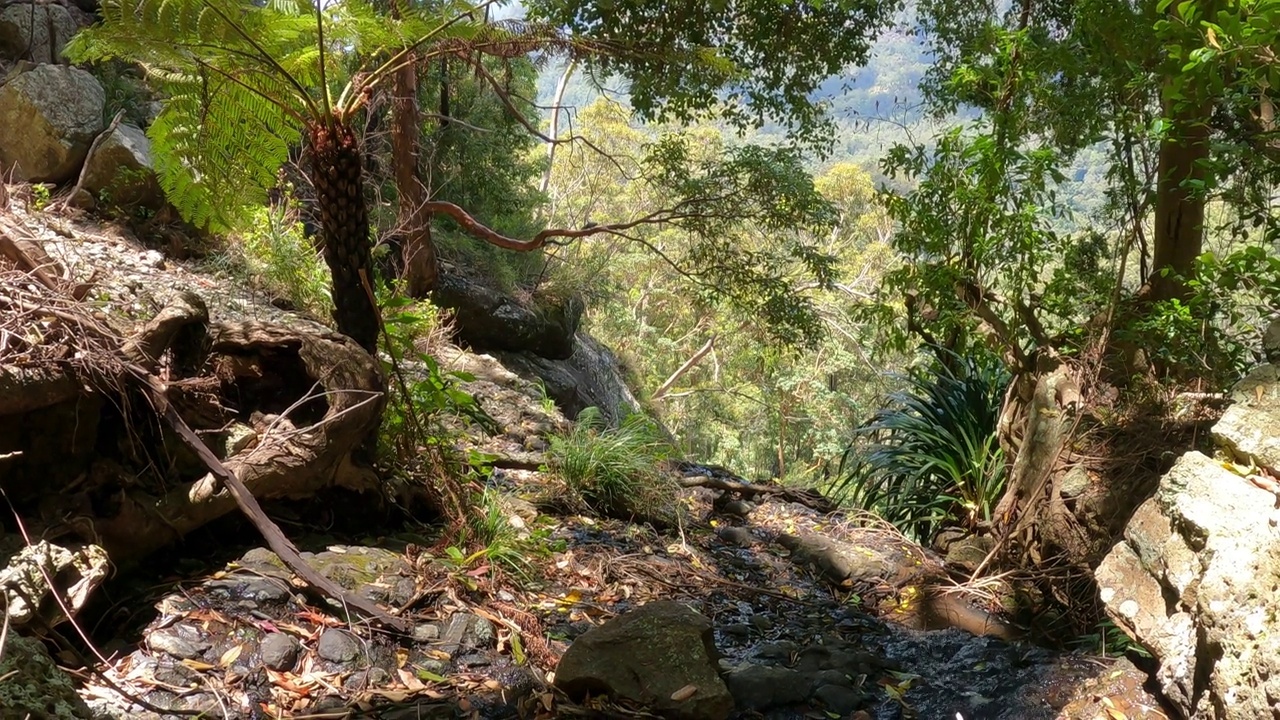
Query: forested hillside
(623,358)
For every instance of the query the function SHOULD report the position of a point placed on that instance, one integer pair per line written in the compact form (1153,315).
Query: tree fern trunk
(338,174)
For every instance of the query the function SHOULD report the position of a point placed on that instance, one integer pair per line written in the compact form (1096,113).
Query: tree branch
(662,390)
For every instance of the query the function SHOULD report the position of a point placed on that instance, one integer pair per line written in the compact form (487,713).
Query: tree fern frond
(217,147)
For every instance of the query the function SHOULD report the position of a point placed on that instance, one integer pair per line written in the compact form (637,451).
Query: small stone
(734,535)
(761,623)
(426,632)
(738,630)
(738,508)
(338,646)
(179,647)
(760,687)
(480,633)
(279,651)
(838,699)
(781,650)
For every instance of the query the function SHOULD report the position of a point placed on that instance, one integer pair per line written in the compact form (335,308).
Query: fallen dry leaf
(684,693)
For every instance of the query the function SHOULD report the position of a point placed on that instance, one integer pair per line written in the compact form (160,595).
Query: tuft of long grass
(616,471)
(932,458)
(279,258)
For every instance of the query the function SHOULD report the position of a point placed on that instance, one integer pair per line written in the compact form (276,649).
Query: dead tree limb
(717,478)
(249,505)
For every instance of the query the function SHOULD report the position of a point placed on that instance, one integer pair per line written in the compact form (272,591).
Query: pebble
(279,651)
(337,646)
(838,699)
(179,647)
(734,535)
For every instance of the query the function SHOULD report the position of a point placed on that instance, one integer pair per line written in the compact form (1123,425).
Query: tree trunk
(555,122)
(420,269)
(337,171)
(1180,199)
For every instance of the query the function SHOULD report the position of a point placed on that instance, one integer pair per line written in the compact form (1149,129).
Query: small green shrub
(1211,333)
(282,261)
(932,458)
(616,471)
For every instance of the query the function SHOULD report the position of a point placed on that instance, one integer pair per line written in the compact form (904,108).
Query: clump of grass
(617,471)
(489,529)
(281,260)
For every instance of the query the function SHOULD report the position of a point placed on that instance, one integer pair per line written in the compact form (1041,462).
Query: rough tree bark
(287,461)
(337,170)
(1179,205)
(420,267)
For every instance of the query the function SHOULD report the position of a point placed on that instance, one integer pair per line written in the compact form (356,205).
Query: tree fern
(244,84)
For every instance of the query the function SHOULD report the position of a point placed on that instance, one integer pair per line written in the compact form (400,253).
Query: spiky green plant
(615,470)
(932,458)
(244,84)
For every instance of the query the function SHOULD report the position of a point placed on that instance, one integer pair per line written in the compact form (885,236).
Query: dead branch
(249,505)
(665,388)
(718,478)
(93,149)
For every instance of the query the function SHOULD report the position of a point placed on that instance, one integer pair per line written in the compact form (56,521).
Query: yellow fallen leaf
(684,693)
(197,665)
(230,655)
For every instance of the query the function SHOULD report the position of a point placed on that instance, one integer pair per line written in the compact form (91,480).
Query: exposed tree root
(285,409)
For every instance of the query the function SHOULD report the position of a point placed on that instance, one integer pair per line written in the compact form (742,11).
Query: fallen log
(718,478)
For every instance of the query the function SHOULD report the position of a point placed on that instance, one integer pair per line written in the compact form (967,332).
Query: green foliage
(240,84)
(615,471)
(751,402)
(1110,641)
(979,216)
(932,458)
(126,90)
(498,542)
(282,261)
(746,62)
(423,393)
(1213,332)
(41,196)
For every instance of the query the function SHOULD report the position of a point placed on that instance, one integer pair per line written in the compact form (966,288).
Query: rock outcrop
(661,655)
(33,687)
(49,115)
(589,377)
(35,31)
(121,173)
(1195,577)
(486,319)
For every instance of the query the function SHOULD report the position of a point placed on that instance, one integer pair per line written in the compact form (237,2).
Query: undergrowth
(279,259)
(932,458)
(616,471)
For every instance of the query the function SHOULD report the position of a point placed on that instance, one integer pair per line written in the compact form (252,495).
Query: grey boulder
(660,655)
(49,115)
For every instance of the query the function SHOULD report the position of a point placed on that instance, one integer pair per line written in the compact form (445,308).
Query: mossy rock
(33,685)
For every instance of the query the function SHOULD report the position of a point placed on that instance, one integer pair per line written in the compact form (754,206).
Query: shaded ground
(239,642)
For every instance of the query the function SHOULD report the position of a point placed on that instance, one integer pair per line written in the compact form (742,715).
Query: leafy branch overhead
(241,83)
